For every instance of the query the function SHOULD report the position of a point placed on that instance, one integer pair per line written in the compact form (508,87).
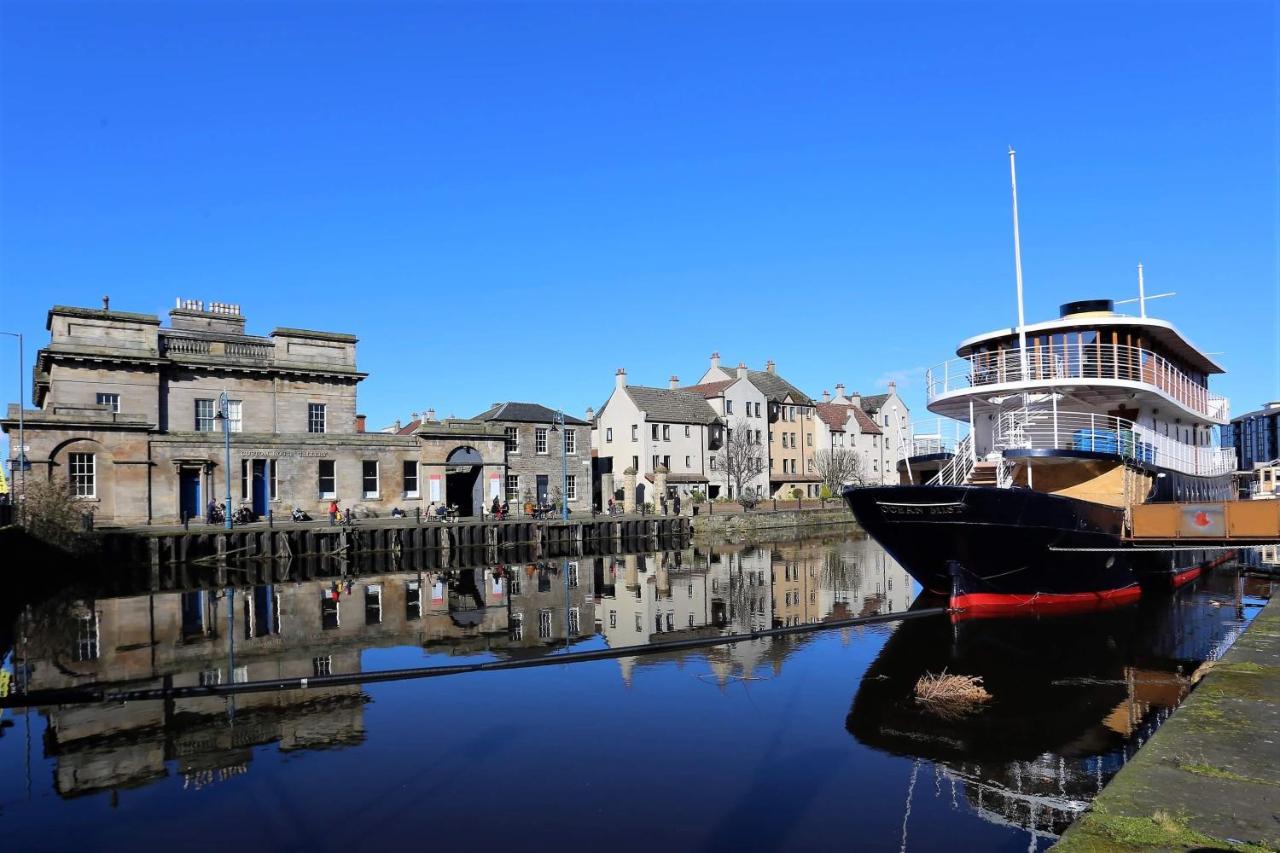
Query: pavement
(1210,777)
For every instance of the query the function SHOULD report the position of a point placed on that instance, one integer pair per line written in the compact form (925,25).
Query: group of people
(216,513)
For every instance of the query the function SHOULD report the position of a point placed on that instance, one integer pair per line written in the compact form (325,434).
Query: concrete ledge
(1210,777)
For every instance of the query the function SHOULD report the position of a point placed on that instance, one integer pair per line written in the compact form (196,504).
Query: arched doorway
(462,480)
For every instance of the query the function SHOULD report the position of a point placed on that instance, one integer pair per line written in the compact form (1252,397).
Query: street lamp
(224,415)
(557,425)
(21,460)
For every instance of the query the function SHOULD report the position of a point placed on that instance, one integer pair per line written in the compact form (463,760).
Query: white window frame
(107,398)
(540,441)
(666,432)
(317,416)
(206,412)
(635,432)
(571,487)
(512,437)
(235,415)
(544,624)
(608,435)
(570,441)
(82,472)
(376,491)
(407,466)
(331,493)
(513,488)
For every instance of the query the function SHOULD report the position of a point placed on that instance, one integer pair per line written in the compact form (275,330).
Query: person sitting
(496,509)
(442,511)
(397,513)
(299,515)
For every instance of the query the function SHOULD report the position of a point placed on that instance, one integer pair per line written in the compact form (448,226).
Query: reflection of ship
(1071,698)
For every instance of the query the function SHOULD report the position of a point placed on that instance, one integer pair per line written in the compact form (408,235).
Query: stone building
(664,436)
(537,448)
(792,429)
(741,406)
(129,413)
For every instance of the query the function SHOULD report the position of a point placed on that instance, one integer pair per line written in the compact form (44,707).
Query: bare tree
(741,458)
(839,467)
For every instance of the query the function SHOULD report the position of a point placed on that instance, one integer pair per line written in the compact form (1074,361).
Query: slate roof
(874,403)
(710,389)
(529,413)
(678,405)
(776,389)
(836,415)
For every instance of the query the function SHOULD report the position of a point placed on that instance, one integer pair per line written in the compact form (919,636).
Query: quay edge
(1210,777)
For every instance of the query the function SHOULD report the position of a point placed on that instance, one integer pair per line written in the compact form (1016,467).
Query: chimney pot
(360,423)
(770,366)
(839,389)
(673,383)
(620,378)
(106,303)
(715,359)
(431,414)
(743,373)
(826,396)
(591,414)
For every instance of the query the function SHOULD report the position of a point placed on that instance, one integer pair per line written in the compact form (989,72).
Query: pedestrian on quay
(676,503)
(333,513)
(496,510)
(662,501)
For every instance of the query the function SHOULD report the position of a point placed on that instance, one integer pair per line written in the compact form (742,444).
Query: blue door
(189,493)
(260,496)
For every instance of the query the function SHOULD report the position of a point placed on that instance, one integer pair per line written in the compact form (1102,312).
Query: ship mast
(1017,266)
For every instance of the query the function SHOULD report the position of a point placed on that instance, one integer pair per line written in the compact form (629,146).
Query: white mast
(1142,295)
(1017,266)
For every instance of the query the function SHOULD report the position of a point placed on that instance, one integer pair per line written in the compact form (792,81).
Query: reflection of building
(738,589)
(282,631)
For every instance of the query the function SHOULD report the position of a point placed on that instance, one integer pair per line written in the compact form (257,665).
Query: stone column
(659,487)
(606,490)
(631,575)
(629,490)
(663,577)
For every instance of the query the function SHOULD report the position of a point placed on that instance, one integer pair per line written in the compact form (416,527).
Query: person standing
(675,503)
(333,513)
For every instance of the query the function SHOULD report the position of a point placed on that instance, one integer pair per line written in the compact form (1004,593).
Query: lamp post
(224,415)
(557,425)
(20,461)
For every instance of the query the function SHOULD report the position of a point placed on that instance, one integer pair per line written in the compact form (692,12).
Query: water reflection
(1072,698)
(303,628)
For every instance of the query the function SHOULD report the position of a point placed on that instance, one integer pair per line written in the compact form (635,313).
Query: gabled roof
(409,428)
(836,415)
(532,413)
(773,386)
(672,405)
(710,389)
(874,403)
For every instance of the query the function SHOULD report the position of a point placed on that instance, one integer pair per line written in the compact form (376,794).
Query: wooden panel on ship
(1156,521)
(1253,518)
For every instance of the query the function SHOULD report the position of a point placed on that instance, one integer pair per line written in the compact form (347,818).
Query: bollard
(417,511)
(271,518)
(186,521)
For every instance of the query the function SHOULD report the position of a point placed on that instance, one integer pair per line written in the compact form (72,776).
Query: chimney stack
(620,378)
(673,383)
(715,360)
(839,389)
(360,422)
(431,414)
(893,386)
(770,366)
(826,396)
(743,373)
(591,414)
(106,303)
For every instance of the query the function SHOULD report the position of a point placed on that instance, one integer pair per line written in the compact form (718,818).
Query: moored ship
(1070,423)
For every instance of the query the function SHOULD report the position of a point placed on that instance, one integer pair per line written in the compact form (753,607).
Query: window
(235,416)
(513,487)
(570,441)
(544,624)
(666,462)
(110,400)
(540,441)
(711,463)
(686,432)
(808,440)
(517,626)
(613,619)
(635,432)
(315,417)
(573,621)
(573,575)
(571,487)
(412,601)
(210,677)
(373,604)
(654,430)
(410,470)
(608,435)
(666,432)
(330,617)
(204,415)
(688,462)
(513,439)
(327,480)
(322,665)
(87,635)
(728,406)
(655,463)
(635,464)
(273,480)
(639,622)
(244,479)
(369,478)
(84,482)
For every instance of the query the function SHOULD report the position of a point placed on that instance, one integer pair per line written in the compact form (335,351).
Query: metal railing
(1082,361)
(956,472)
(935,435)
(1044,429)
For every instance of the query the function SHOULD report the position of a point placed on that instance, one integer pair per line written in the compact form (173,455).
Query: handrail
(935,435)
(1082,361)
(1038,429)
(956,471)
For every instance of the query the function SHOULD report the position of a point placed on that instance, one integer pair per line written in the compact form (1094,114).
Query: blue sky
(510,201)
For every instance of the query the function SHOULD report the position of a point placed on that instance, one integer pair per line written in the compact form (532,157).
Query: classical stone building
(129,413)
(538,447)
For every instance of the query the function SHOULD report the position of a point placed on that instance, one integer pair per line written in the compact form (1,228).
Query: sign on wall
(435,488)
(494,480)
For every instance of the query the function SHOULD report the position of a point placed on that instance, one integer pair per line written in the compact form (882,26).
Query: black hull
(988,547)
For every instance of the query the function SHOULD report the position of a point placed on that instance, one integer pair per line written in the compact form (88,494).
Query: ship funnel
(1087,306)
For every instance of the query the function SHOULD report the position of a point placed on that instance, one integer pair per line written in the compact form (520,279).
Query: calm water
(806,741)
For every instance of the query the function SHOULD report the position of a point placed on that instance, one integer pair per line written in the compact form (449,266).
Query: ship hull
(1015,550)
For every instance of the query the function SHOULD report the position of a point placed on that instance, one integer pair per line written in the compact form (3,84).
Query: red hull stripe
(1041,601)
(1186,577)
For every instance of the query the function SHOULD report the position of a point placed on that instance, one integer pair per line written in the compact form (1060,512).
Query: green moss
(1246,666)
(1100,830)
